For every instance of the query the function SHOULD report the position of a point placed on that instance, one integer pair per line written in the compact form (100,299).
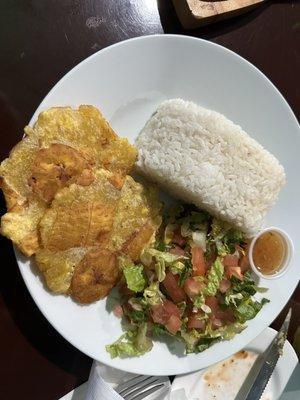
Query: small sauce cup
(270,253)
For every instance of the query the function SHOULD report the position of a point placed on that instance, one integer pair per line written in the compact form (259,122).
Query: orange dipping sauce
(269,253)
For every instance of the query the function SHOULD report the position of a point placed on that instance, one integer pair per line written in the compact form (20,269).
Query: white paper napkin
(104,379)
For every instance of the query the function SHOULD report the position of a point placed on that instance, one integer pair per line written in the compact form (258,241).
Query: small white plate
(184,385)
(195,387)
(127,81)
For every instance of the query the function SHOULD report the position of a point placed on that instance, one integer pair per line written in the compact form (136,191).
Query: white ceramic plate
(127,81)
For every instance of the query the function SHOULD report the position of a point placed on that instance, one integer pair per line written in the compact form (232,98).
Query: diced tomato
(198,261)
(178,238)
(195,323)
(234,271)
(177,251)
(176,292)
(230,260)
(224,285)
(218,316)
(212,303)
(161,313)
(174,324)
(118,310)
(192,287)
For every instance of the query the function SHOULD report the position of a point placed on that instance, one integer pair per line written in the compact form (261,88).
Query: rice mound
(201,157)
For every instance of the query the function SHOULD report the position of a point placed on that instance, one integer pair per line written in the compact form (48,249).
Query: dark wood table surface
(40,41)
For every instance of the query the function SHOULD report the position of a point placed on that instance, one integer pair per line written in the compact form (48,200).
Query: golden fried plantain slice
(80,216)
(58,267)
(56,167)
(87,131)
(137,218)
(95,276)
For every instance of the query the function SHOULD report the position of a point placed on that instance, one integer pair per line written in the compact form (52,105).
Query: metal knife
(260,373)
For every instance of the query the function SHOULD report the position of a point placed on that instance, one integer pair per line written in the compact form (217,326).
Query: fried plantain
(80,216)
(56,167)
(94,276)
(137,218)
(58,267)
(63,147)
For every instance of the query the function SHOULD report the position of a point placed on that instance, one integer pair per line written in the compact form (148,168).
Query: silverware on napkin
(144,387)
(262,369)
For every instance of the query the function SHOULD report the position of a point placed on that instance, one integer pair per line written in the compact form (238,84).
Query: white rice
(203,158)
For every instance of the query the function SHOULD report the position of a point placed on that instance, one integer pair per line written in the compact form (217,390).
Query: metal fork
(141,386)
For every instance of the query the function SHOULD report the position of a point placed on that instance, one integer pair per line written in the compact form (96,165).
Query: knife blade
(260,373)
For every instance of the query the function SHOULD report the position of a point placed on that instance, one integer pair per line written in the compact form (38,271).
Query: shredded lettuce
(199,300)
(225,332)
(132,343)
(160,270)
(214,277)
(185,272)
(232,298)
(135,277)
(158,330)
(204,345)
(190,338)
(152,294)
(225,237)
(163,260)
(137,316)
(196,341)
(247,286)
(248,309)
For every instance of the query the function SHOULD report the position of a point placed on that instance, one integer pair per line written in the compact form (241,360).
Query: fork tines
(140,386)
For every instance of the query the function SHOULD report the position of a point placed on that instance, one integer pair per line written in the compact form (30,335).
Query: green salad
(193,283)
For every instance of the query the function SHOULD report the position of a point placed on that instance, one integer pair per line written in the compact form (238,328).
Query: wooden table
(39,42)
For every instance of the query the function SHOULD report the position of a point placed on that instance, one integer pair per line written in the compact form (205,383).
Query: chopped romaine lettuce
(152,294)
(185,272)
(214,277)
(137,316)
(132,343)
(204,345)
(191,338)
(135,277)
(163,260)
(161,246)
(248,309)
(158,330)
(196,341)
(246,286)
(231,298)
(199,300)
(165,256)
(160,270)
(177,267)
(225,237)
